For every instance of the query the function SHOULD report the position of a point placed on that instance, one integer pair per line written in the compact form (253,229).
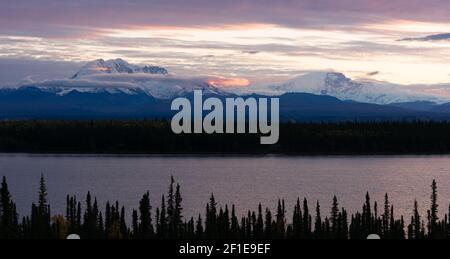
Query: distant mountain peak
(116,66)
(344,88)
(323,83)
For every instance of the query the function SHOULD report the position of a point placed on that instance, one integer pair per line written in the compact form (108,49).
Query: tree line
(156,137)
(88,220)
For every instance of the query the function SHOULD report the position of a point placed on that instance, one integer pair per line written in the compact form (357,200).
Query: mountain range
(118,89)
(116,66)
(339,86)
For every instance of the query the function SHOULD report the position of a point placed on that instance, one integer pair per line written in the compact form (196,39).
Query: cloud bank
(261,40)
(156,85)
(434,37)
(55,18)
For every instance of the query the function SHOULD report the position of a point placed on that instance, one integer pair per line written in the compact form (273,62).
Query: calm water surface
(245,181)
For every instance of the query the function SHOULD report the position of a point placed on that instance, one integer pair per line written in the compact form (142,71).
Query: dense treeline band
(156,137)
(91,222)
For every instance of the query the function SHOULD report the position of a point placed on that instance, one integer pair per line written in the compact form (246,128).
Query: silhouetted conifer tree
(433,219)
(280,220)
(135,225)
(211,218)
(40,214)
(386,217)
(259,229)
(9,225)
(171,208)
(123,225)
(334,217)
(249,225)
(90,220)
(199,227)
(145,226)
(268,224)
(163,220)
(415,228)
(297,221)
(234,228)
(307,220)
(318,231)
(177,213)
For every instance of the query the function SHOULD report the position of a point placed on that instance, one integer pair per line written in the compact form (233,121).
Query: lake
(244,181)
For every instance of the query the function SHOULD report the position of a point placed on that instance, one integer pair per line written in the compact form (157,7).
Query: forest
(90,220)
(156,137)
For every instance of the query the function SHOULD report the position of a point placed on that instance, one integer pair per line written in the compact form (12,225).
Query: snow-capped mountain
(117,76)
(344,88)
(116,66)
(117,89)
(160,88)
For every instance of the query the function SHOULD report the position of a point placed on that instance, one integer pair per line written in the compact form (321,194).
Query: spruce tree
(40,214)
(433,232)
(307,224)
(90,219)
(367,217)
(297,220)
(386,217)
(226,222)
(123,225)
(259,231)
(171,208)
(280,219)
(108,219)
(158,226)
(8,216)
(199,227)
(145,227)
(344,225)
(78,217)
(211,218)
(318,223)
(243,230)
(177,213)
(72,215)
(101,226)
(334,217)
(135,225)
(268,224)
(417,226)
(234,224)
(163,219)
(96,220)
(248,225)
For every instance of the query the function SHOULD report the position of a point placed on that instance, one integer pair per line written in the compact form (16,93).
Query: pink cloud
(229,82)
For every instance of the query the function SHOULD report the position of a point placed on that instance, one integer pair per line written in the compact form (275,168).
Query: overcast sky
(401,41)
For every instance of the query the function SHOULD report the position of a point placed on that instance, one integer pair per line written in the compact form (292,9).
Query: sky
(243,41)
